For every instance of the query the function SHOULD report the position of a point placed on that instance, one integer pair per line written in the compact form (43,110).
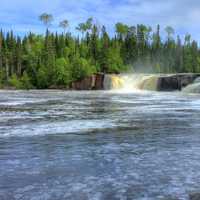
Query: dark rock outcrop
(99,82)
(157,82)
(94,82)
(186,79)
(85,84)
(175,82)
(168,83)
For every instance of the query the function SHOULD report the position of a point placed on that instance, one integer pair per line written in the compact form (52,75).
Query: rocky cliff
(156,82)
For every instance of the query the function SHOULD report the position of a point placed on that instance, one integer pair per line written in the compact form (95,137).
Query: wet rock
(85,84)
(168,83)
(94,82)
(186,79)
(99,82)
(194,196)
(176,81)
(155,82)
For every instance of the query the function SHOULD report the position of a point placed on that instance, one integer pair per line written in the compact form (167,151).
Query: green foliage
(42,61)
(42,78)
(25,82)
(20,83)
(114,62)
(2,78)
(62,72)
(158,68)
(64,24)
(46,19)
(121,29)
(170,31)
(15,82)
(83,27)
(81,68)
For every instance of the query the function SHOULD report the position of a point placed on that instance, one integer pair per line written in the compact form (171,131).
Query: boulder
(175,81)
(168,83)
(186,79)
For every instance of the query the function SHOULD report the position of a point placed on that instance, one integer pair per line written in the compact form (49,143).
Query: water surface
(58,145)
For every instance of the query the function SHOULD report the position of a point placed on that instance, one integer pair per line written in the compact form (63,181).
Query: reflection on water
(99,145)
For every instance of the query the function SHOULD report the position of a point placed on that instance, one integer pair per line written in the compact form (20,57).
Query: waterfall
(192,88)
(130,82)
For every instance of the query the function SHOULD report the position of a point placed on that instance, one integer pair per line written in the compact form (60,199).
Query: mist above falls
(131,82)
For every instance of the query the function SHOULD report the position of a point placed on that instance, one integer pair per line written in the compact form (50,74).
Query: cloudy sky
(22,15)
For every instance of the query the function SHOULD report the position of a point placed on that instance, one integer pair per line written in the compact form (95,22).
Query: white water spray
(131,82)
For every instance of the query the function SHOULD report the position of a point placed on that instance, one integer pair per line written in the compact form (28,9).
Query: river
(104,145)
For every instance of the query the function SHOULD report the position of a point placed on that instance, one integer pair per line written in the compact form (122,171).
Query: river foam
(99,145)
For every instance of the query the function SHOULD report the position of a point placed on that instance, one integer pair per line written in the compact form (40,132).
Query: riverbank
(154,82)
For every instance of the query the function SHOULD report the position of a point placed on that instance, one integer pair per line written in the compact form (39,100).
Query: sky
(22,15)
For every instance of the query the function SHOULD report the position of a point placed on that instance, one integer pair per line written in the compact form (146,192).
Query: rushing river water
(57,145)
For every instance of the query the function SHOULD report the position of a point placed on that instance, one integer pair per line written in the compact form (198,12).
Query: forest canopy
(40,61)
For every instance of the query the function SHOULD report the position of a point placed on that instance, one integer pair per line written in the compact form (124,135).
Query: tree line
(54,60)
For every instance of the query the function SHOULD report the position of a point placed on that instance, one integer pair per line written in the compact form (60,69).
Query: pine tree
(41,61)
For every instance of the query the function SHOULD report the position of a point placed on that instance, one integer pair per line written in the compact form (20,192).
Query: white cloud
(183,15)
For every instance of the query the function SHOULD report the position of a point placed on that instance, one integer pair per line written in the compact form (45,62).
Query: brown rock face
(164,82)
(85,84)
(99,82)
(94,82)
